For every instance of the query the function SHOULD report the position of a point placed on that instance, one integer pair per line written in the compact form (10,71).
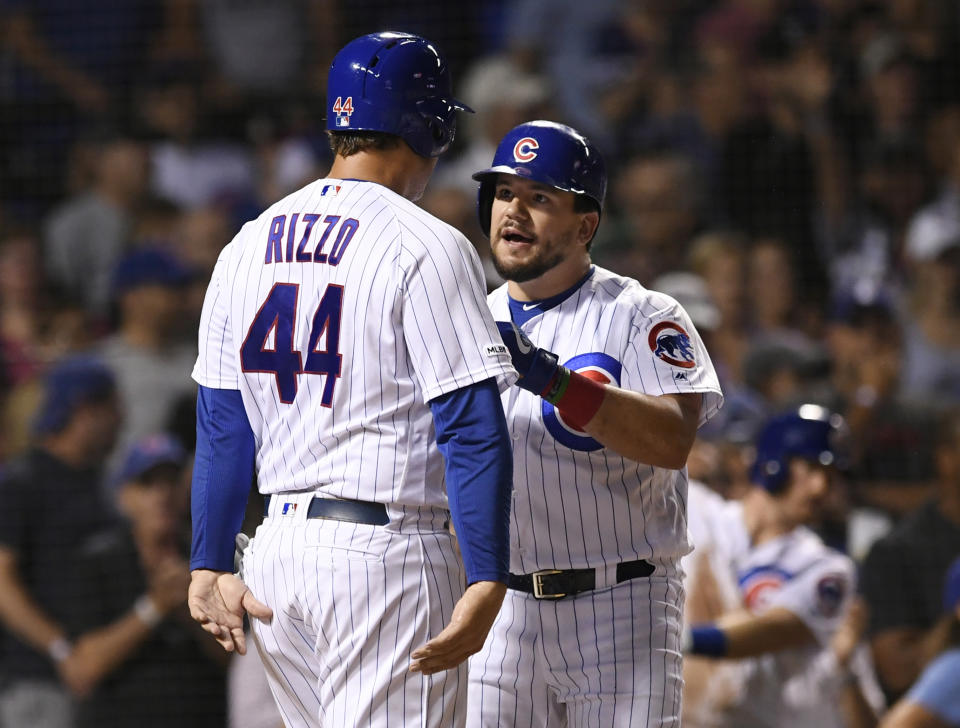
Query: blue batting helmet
(395,83)
(547,152)
(810,432)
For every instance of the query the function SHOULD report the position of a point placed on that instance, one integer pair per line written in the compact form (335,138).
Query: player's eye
(540,198)
(504,193)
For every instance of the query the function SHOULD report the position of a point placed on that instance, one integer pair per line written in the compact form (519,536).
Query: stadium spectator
(891,436)
(21,308)
(190,166)
(934,700)
(781,165)
(867,244)
(51,502)
(902,577)
(88,234)
(931,367)
(720,258)
(151,364)
(563,40)
(138,659)
(658,211)
(774,288)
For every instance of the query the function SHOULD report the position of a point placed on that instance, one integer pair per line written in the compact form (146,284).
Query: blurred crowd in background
(789,170)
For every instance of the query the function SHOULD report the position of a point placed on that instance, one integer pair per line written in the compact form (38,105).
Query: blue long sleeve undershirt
(473,438)
(222,473)
(471,435)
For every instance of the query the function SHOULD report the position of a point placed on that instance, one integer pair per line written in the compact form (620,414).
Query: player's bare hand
(472,618)
(218,600)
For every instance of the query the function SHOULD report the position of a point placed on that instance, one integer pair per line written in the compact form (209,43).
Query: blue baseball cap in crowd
(147,453)
(150,266)
(951,587)
(74,381)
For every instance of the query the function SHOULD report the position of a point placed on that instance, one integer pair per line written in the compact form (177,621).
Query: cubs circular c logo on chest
(597,366)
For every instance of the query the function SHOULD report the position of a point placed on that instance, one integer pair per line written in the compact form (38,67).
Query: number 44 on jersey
(276,322)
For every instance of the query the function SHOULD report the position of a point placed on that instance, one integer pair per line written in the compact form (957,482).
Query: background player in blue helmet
(794,590)
(346,348)
(602,420)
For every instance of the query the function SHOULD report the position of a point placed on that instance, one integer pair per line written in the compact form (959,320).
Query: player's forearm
(222,472)
(743,635)
(473,437)
(653,430)
(20,614)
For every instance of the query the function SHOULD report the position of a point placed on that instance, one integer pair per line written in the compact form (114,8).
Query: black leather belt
(352,511)
(557,583)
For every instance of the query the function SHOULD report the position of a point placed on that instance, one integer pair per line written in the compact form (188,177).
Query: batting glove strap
(240,543)
(537,367)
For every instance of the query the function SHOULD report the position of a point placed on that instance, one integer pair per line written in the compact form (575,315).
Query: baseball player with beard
(347,352)
(614,384)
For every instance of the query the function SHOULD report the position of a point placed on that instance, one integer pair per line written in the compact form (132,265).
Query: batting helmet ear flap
(438,126)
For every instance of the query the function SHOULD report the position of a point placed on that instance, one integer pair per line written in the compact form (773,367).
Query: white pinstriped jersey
(577,504)
(798,572)
(338,314)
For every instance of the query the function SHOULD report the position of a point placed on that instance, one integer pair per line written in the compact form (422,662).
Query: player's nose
(516,210)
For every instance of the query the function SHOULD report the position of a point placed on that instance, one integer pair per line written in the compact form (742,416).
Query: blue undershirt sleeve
(222,473)
(473,438)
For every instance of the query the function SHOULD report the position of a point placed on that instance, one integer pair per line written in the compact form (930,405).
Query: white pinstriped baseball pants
(350,603)
(609,657)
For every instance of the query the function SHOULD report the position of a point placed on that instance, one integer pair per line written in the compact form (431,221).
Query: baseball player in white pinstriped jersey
(345,344)
(794,592)
(602,422)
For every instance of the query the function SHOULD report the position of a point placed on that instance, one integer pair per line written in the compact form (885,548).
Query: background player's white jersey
(337,289)
(577,504)
(798,572)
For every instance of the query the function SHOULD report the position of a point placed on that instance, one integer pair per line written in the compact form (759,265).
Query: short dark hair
(346,143)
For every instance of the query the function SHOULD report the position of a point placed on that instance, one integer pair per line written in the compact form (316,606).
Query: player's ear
(589,221)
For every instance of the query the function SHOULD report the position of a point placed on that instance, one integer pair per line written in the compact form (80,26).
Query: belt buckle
(538,584)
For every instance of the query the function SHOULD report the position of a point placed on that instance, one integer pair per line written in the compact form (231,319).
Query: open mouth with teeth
(513,236)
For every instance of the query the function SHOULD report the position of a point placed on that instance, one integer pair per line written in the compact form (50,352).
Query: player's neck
(398,169)
(554,282)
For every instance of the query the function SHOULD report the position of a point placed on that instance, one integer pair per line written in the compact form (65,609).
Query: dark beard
(522,272)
